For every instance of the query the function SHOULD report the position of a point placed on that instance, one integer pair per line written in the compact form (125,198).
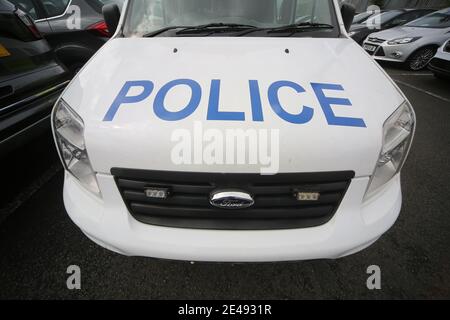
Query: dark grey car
(74,28)
(31,79)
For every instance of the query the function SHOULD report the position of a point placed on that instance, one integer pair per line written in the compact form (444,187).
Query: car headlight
(68,129)
(398,131)
(403,40)
(352,33)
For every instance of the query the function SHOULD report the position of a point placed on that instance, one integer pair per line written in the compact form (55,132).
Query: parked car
(31,79)
(197,76)
(413,44)
(74,28)
(385,20)
(440,64)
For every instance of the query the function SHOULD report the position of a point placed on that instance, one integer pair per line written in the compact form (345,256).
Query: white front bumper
(354,227)
(392,53)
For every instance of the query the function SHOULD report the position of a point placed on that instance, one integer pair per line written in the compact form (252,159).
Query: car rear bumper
(354,226)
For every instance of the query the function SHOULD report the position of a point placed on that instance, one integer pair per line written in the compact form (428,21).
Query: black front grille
(380,52)
(374,51)
(275,207)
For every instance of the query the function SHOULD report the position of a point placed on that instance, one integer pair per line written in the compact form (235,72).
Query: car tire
(420,59)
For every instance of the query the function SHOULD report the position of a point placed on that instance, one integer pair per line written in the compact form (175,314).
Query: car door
(32,8)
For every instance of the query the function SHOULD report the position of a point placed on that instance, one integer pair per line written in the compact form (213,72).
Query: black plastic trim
(274,207)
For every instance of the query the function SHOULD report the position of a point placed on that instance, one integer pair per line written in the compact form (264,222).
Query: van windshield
(230,17)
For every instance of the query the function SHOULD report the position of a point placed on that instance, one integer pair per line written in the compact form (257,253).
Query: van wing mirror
(348,13)
(111,14)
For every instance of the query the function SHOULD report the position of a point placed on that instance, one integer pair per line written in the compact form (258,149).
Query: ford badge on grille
(229,199)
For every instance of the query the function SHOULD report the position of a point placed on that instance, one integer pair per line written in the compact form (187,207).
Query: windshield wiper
(300,27)
(246,28)
(216,27)
(291,28)
(159,31)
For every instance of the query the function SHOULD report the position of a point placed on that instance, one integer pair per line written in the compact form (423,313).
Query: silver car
(440,64)
(413,44)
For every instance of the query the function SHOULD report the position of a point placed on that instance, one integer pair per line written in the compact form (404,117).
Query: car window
(440,19)
(26,6)
(97,5)
(55,7)
(361,17)
(407,17)
(383,17)
(118,2)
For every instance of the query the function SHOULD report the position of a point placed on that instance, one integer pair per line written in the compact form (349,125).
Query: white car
(231,134)
(413,44)
(440,64)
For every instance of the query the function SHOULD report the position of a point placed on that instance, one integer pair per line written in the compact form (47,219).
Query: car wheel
(420,58)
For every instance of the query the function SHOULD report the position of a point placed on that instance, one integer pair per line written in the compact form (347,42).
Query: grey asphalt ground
(38,241)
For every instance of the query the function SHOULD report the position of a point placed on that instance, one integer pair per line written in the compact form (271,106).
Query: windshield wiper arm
(215,27)
(159,31)
(291,28)
(223,27)
(300,27)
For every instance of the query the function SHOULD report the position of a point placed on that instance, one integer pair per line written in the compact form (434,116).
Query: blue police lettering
(162,112)
(303,117)
(123,97)
(214,113)
(326,102)
(213,106)
(255,99)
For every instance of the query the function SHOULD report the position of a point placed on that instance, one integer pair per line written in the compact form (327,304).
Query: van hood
(137,138)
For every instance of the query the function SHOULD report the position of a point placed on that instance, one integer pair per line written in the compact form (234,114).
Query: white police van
(232,130)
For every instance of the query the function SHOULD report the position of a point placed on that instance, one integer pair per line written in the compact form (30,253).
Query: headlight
(352,33)
(398,131)
(403,40)
(68,129)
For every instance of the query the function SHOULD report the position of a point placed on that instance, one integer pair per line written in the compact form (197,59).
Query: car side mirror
(111,14)
(348,13)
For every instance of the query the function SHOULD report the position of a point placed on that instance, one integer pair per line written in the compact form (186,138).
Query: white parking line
(428,74)
(413,74)
(421,90)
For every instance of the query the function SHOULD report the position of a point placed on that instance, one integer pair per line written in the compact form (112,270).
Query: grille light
(157,193)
